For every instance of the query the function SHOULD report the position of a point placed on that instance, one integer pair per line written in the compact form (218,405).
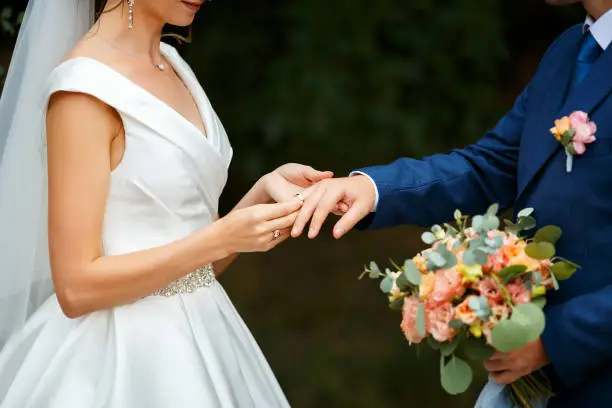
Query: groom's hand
(355,196)
(506,368)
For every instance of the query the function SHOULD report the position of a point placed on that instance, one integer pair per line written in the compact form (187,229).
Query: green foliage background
(341,85)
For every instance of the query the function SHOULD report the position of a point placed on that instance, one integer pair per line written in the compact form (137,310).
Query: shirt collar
(601,29)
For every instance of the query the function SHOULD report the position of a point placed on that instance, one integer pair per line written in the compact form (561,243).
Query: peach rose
(438,319)
(561,126)
(464,313)
(447,286)
(427,285)
(408,324)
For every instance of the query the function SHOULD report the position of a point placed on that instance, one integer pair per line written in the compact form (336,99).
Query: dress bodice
(171,176)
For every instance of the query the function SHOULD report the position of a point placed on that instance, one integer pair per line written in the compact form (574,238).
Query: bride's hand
(258,228)
(286,181)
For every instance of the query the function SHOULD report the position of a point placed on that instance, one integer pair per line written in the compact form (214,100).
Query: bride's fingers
(277,239)
(270,212)
(314,176)
(280,223)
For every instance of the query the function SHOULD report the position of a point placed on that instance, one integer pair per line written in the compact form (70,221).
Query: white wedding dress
(183,350)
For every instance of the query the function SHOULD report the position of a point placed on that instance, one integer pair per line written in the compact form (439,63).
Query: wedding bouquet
(475,290)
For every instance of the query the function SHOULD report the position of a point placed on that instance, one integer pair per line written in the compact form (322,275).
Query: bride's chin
(182,21)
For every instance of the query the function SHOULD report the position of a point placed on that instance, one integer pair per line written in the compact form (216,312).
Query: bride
(112,143)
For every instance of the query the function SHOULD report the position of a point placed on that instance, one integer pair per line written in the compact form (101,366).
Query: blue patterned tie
(589,52)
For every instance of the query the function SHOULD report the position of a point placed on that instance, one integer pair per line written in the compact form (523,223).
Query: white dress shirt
(601,29)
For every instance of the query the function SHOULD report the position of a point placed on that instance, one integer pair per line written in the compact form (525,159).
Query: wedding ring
(300,196)
(276,234)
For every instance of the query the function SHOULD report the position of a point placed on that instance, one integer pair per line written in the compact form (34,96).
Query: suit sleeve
(578,335)
(427,191)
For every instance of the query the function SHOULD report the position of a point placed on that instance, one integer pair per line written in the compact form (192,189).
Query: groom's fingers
(327,204)
(497,365)
(505,377)
(356,213)
(308,208)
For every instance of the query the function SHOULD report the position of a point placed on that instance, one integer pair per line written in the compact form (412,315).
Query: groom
(519,164)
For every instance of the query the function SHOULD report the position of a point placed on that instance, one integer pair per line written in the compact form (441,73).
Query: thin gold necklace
(160,66)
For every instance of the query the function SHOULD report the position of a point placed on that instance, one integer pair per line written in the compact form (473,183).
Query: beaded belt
(202,277)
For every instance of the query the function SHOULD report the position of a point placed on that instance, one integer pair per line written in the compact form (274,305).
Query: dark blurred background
(340,85)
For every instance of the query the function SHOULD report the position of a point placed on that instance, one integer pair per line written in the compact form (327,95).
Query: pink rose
(438,318)
(585,131)
(518,292)
(448,286)
(408,324)
(489,289)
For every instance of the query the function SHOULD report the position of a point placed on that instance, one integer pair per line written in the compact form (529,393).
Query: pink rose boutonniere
(574,132)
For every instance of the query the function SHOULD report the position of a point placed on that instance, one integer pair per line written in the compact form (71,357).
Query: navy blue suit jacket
(519,164)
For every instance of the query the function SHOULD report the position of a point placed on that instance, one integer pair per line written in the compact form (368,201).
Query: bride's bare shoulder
(93,47)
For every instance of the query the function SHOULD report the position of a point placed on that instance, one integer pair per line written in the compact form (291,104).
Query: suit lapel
(540,145)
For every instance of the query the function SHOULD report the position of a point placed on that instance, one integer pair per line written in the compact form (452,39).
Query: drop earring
(131,14)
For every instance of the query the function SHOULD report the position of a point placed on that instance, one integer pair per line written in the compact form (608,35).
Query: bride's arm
(80,132)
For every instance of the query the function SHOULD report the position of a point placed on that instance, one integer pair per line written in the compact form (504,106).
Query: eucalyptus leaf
(478,222)
(539,302)
(428,238)
(531,318)
(549,233)
(563,270)
(374,270)
(450,230)
(490,222)
(437,231)
(495,242)
(448,349)
(420,320)
(511,272)
(402,282)
(474,257)
(508,335)
(456,376)
(477,349)
(527,223)
(525,212)
(493,209)
(411,272)
(437,259)
(540,250)
(386,284)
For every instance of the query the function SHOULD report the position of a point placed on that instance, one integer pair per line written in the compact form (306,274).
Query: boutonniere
(574,132)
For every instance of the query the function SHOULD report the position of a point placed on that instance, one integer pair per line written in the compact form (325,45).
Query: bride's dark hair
(100,4)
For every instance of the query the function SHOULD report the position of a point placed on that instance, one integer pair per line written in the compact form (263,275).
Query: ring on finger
(276,234)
